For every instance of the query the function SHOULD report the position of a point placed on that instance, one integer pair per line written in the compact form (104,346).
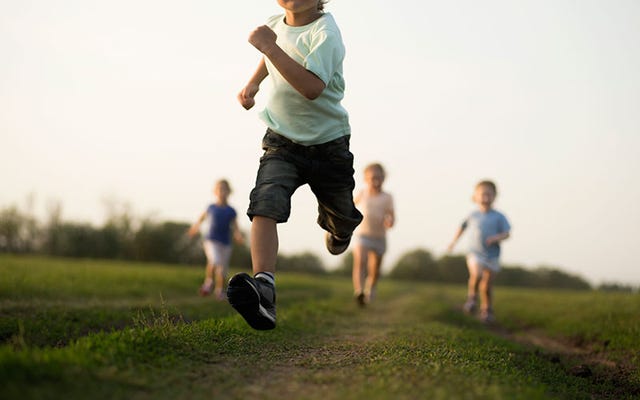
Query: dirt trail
(314,368)
(585,360)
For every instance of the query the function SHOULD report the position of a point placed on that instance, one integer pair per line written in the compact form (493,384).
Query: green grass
(139,331)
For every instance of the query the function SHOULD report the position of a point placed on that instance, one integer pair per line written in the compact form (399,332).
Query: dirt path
(585,360)
(315,368)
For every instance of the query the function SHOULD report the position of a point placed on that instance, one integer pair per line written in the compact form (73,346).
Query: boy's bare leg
(264,244)
(472,284)
(469,306)
(485,289)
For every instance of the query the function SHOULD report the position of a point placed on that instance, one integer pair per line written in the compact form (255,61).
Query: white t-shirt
(375,209)
(318,47)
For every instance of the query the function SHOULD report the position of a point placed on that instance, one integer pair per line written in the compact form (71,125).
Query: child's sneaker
(220,294)
(360,299)
(469,306)
(336,245)
(254,299)
(205,290)
(487,316)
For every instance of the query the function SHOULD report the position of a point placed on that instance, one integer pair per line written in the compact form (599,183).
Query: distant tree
(554,278)
(241,256)
(516,276)
(345,265)
(18,231)
(453,268)
(165,242)
(616,287)
(542,277)
(303,262)
(416,265)
(118,230)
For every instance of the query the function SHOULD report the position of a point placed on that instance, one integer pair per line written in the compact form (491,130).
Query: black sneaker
(360,300)
(336,245)
(254,299)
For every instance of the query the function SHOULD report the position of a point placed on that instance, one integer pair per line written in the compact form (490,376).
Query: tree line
(125,237)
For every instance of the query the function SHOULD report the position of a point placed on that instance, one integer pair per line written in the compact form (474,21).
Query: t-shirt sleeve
(464,224)
(325,55)
(390,207)
(504,224)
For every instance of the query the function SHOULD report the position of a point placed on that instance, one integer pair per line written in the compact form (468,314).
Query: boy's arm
(247,95)
(455,239)
(497,238)
(303,80)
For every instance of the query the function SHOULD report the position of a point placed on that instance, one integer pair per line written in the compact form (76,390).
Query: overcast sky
(134,101)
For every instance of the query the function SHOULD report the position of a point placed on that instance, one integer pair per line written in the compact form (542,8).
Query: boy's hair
(488,184)
(377,166)
(321,4)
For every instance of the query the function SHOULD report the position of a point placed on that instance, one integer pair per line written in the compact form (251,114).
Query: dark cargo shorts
(327,168)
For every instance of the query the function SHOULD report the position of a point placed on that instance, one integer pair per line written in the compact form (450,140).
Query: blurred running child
(307,142)
(487,228)
(370,241)
(217,240)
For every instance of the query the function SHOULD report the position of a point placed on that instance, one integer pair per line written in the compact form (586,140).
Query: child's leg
(359,265)
(264,244)
(220,278)
(255,297)
(474,277)
(208,274)
(373,272)
(475,269)
(486,289)
(207,285)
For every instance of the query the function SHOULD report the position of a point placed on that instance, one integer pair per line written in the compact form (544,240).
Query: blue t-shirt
(480,226)
(220,219)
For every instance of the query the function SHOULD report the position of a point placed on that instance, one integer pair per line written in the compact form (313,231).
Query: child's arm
(195,228)
(497,238)
(303,80)
(455,238)
(237,233)
(247,95)
(390,215)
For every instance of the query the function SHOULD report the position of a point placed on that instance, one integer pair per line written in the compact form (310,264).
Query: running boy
(370,241)
(487,228)
(307,142)
(217,241)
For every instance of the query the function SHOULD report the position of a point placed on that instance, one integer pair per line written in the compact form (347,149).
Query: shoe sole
(336,249)
(245,299)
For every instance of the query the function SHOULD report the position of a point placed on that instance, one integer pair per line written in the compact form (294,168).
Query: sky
(134,103)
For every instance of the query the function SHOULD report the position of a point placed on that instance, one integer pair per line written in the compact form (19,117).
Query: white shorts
(379,245)
(484,262)
(217,253)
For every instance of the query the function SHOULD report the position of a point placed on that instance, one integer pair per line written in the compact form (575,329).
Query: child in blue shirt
(217,240)
(486,228)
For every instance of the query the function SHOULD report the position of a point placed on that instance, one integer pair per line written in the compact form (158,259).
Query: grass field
(77,329)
